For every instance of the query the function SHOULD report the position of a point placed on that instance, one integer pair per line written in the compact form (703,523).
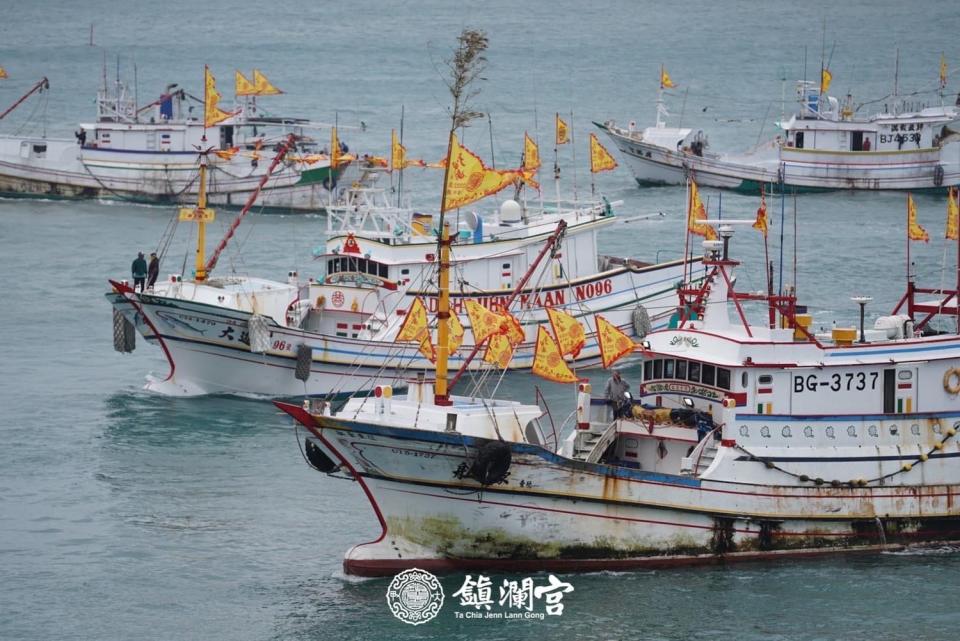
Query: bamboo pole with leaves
(466,67)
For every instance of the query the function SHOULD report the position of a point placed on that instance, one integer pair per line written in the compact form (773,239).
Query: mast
(202,215)
(466,66)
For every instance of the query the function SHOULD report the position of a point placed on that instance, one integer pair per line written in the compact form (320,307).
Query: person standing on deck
(139,271)
(616,393)
(153,271)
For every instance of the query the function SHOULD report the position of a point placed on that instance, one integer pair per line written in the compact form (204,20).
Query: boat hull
(799,169)
(555,513)
(208,348)
(65,171)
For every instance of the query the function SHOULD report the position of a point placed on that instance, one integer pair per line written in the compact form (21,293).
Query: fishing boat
(823,145)
(335,330)
(750,440)
(148,154)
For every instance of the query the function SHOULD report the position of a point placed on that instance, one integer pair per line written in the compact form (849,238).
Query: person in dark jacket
(139,271)
(153,270)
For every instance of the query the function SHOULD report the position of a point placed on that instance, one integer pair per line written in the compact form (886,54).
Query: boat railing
(691,464)
(601,444)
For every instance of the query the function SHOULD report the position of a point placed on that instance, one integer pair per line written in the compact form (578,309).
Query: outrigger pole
(285,146)
(551,242)
(41,85)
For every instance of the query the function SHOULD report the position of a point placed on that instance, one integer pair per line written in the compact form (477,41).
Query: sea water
(127,515)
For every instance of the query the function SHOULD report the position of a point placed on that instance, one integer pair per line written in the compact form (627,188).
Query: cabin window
(905,375)
(404,272)
(681,369)
(765,379)
(723,378)
(668,368)
(658,368)
(708,374)
(362,265)
(744,380)
(647,370)
(693,372)
(856,141)
(798,140)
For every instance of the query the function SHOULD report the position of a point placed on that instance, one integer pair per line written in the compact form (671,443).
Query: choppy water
(125,515)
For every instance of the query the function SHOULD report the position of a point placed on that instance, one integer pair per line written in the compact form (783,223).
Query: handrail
(603,443)
(701,446)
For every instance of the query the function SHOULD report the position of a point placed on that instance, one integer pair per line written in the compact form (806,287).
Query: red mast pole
(284,148)
(42,84)
(551,241)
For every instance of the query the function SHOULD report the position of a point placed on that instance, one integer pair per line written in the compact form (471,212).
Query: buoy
(641,321)
(318,459)
(951,380)
(938,446)
(124,333)
(258,329)
(304,362)
(951,431)
(906,467)
(492,464)
(924,457)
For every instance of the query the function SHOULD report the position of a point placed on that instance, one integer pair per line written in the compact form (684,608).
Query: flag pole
(686,248)
(556,158)
(573,145)
(402,164)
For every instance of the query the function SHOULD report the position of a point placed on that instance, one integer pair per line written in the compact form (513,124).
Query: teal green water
(124,515)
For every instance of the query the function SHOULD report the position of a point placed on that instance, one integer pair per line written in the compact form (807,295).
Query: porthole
(905,375)
(808,431)
(852,431)
(915,429)
(786,431)
(744,430)
(872,430)
(830,432)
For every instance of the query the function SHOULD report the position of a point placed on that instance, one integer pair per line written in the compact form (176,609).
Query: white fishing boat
(149,154)
(750,440)
(824,145)
(335,331)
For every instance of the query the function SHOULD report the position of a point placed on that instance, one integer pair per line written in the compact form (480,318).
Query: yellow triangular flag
(953,214)
(761,222)
(456,333)
(398,153)
(426,348)
(568,330)
(943,71)
(415,323)
(242,86)
(563,132)
(212,114)
(548,363)
(825,79)
(3,73)
(614,344)
(334,149)
(600,158)
(914,230)
(531,154)
(483,322)
(263,86)
(499,351)
(665,81)
(469,180)
(698,213)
